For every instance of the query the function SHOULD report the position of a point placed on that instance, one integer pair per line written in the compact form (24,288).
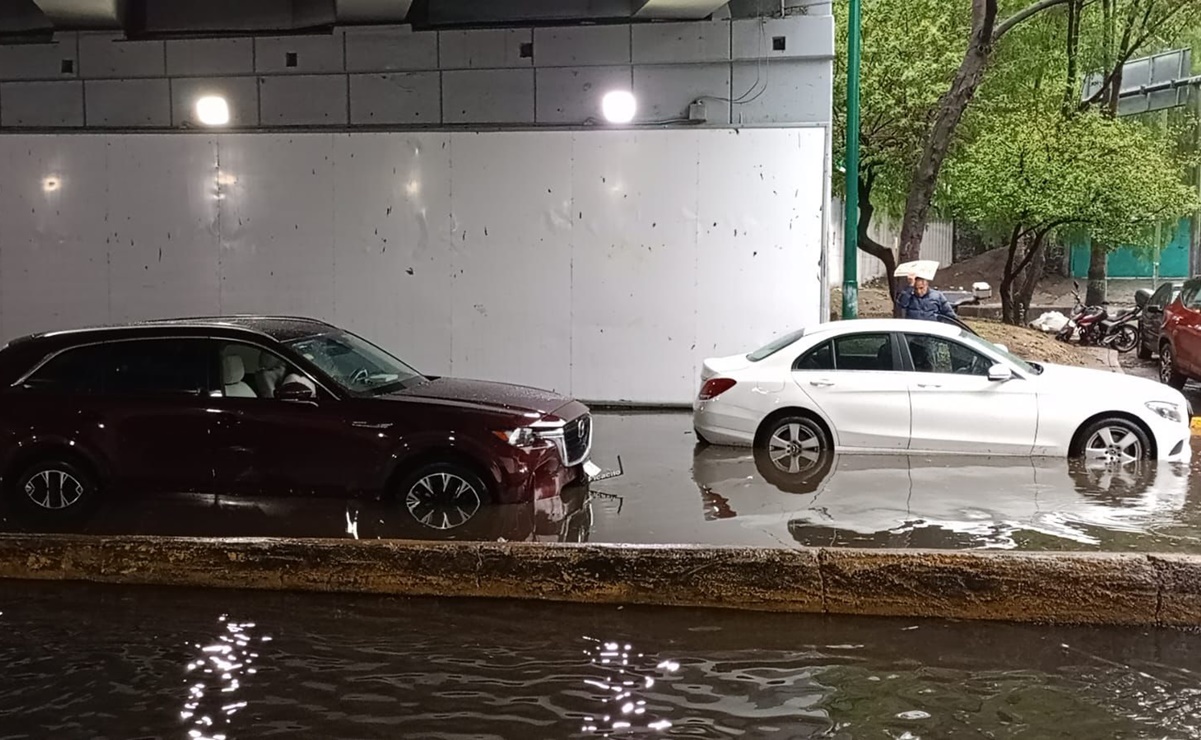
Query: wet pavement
(102,661)
(676,493)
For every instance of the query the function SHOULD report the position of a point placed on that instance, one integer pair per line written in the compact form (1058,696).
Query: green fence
(1132,262)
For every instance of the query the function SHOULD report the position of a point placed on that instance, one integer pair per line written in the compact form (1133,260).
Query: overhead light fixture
(51,184)
(212,110)
(619,106)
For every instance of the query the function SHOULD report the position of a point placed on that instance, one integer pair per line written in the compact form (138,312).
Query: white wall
(605,264)
(937,244)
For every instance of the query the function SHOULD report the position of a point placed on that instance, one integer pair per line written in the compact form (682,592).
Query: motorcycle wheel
(1126,339)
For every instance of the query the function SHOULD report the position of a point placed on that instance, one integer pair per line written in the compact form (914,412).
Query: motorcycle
(1096,328)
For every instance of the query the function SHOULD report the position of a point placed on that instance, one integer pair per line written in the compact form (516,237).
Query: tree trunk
(1008,311)
(950,110)
(1028,281)
(1070,89)
(1096,275)
(866,243)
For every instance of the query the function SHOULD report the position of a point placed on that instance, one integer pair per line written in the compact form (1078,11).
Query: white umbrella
(918,268)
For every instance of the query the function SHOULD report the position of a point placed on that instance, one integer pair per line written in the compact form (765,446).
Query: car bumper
(1173,439)
(723,424)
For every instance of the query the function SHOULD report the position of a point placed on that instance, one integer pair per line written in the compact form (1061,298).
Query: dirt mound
(988,267)
(1030,344)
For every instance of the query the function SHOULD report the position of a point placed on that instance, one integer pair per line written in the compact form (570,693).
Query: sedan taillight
(714,387)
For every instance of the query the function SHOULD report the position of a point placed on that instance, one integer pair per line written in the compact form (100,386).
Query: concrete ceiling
(23,19)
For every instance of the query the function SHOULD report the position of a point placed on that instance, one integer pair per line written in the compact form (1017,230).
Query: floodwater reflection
(560,518)
(942,502)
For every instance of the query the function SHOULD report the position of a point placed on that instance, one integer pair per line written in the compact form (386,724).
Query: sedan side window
(852,352)
(939,355)
(820,357)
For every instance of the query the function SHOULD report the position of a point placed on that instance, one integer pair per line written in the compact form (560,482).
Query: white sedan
(887,385)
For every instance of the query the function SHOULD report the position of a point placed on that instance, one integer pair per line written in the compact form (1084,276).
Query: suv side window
(1191,297)
(79,370)
(159,367)
(939,355)
(250,372)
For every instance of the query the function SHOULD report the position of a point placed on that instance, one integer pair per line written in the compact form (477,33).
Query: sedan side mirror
(295,391)
(1000,373)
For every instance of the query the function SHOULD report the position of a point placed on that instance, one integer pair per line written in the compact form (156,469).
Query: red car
(1180,337)
(260,405)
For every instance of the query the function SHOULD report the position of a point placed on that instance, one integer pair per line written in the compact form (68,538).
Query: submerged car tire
(1168,374)
(1113,440)
(442,496)
(795,433)
(54,488)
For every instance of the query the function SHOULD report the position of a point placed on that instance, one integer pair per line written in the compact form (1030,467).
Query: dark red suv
(1180,337)
(260,405)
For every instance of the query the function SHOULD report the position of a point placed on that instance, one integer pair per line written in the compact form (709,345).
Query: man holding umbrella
(919,300)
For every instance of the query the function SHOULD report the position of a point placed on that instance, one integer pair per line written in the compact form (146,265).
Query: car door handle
(929,385)
(821,383)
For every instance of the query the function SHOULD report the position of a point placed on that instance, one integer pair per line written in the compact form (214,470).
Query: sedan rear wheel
(794,444)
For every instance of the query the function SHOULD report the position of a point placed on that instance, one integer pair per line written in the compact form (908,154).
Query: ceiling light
(212,110)
(619,106)
(51,184)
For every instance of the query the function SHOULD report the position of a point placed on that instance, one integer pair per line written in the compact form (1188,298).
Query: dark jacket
(929,307)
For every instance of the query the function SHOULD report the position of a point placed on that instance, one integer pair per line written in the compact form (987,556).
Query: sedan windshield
(979,341)
(356,364)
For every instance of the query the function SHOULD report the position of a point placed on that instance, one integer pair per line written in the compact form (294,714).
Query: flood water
(674,492)
(87,661)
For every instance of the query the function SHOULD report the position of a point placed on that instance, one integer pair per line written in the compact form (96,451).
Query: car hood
(1079,379)
(486,395)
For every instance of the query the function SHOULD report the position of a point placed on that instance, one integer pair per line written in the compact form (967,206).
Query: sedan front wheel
(1113,441)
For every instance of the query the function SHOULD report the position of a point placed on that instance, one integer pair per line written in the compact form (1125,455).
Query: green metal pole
(850,224)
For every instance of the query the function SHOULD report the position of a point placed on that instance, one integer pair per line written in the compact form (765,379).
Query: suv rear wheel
(55,488)
(1168,373)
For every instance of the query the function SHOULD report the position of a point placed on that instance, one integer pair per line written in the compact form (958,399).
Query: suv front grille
(577,438)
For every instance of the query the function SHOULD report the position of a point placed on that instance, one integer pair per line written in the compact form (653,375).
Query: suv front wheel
(1168,374)
(54,488)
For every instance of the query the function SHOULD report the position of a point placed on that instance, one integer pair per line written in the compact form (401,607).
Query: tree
(1108,35)
(909,52)
(1031,176)
(986,30)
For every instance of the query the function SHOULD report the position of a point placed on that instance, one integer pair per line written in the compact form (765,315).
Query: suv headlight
(523,437)
(1169,411)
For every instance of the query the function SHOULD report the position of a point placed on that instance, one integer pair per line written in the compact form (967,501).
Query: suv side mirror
(295,391)
(999,373)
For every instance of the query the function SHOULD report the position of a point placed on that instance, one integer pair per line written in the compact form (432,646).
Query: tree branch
(1009,23)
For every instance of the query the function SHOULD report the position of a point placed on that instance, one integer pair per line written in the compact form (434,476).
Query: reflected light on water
(623,679)
(214,673)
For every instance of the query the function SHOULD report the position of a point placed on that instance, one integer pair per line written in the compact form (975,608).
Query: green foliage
(911,49)
(1111,180)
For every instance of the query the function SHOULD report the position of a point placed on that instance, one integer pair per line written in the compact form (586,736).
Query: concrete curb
(1059,588)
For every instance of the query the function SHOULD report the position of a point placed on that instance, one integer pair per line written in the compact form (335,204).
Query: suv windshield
(979,341)
(775,346)
(356,364)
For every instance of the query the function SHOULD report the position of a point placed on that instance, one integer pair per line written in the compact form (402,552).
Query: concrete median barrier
(1061,588)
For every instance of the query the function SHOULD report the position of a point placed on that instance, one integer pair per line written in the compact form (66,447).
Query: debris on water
(914,714)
